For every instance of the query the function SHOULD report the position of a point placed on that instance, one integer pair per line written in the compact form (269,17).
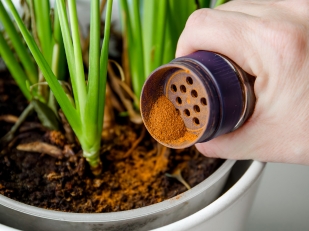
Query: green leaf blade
(60,70)
(91,112)
(59,93)
(17,72)
(78,61)
(44,30)
(21,50)
(45,115)
(158,34)
(68,47)
(205,3)
(220,2)
(103,63)
(133,33)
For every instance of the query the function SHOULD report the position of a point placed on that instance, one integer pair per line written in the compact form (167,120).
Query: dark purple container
(212,94)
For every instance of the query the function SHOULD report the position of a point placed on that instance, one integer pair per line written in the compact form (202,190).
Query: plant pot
(5,228)
(26,217)
(232,207)
(230,211)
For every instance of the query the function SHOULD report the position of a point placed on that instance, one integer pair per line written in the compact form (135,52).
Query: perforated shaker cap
(204,88)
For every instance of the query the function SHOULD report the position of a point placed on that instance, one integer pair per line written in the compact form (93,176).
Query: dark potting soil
(131,178)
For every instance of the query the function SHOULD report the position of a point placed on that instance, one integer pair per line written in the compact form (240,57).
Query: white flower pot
(26,217)
(229,212)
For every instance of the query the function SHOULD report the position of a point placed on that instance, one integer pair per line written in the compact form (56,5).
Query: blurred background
(282,200)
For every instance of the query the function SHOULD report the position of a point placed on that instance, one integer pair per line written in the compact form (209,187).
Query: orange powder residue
(166,124)
(188,136)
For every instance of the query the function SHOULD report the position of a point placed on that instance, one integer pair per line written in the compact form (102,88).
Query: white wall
(282,202)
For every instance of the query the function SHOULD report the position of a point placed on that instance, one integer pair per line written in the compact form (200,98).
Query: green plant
(151,29)
(48,36)
(29,73)
(85,113)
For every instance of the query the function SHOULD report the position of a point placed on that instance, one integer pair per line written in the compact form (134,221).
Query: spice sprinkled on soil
(166,124)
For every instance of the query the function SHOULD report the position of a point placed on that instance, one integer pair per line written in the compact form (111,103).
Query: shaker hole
(196,121)
(203,101)
(186,112)
(173,88)
(194,93)
(178,100)
(189,80)
(196,108)
(183,89)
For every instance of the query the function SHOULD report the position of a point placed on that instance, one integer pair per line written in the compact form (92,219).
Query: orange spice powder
(166,124)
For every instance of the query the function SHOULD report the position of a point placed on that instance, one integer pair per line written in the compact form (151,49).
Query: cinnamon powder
(166,124)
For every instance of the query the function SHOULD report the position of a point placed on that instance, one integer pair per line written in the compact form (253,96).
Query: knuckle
(305,5)
(299,6)
(293,37)
(286,36)
(197,17)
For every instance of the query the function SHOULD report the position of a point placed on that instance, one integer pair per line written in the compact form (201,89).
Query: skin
(269,40)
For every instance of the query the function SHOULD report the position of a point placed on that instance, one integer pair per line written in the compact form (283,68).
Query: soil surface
(135,167)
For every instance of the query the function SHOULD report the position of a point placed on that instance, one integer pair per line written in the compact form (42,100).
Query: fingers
(248,142)
(272,9)
(265,138)
(254,8)
(235,145)
(268,40)
(222,32)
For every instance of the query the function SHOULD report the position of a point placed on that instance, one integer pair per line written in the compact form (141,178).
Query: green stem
(79,67)
(77,84)
(91,151)
(43,26)
(104,62)
(60,71)
(19,47)
(33,24)
(14,67)
(133,35)
(59,93)
(134,45)
(171,36)
(92,105)
(205,3)
(220,2)
(10,135)
(52,103)
(148,28)
(138,47)
(158,35)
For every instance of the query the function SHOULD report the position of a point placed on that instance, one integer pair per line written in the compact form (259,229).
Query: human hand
(269,40)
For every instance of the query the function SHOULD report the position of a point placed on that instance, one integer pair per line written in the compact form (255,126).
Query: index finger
(229,33)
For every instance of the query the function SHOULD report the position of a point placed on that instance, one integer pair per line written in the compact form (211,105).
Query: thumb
(237,144)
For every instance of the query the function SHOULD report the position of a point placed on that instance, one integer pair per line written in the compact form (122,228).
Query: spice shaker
(212,95)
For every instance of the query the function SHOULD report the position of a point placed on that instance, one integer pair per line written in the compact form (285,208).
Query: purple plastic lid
(204,88)
(220,74)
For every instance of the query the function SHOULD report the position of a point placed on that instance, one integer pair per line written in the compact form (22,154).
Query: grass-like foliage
(85,114)
(151,29)
(23,68)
